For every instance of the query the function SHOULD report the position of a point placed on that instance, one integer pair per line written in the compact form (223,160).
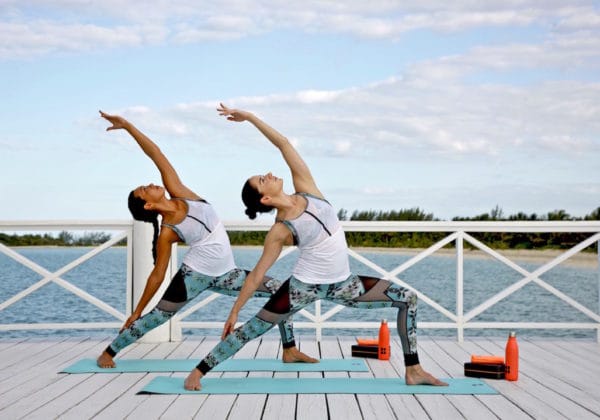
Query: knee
(411,297)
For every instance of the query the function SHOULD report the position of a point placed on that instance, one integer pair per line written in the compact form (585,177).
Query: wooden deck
(558,380)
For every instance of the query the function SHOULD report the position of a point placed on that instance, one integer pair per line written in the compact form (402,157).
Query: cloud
(34,28)
(381,120)
(27,39)
(452,106)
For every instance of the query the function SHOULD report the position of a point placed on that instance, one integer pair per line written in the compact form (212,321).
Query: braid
(136,207)
(155,238)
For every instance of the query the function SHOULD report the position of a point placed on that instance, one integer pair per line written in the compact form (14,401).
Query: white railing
(138,237)
(124,231)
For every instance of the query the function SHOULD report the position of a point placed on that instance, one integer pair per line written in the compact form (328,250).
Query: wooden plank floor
(558,380)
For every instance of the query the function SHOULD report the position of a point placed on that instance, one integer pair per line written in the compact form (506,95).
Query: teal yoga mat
(174,385)
(230,365)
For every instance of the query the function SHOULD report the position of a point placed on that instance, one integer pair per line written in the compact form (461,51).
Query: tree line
(64,238)
(497,240)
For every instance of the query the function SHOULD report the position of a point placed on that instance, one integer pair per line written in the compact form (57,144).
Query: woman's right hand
(229,325)
(233,114)
(116,121)
(132,318)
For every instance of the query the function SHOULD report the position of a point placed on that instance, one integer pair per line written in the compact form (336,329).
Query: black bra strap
(201,222)
(318,220)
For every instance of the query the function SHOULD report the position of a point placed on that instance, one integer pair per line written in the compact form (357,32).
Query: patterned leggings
(185,286)
(355,292)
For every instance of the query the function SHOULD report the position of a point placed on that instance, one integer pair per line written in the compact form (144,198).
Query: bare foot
(105,361)
(293,355)
(415,375)
(192,382)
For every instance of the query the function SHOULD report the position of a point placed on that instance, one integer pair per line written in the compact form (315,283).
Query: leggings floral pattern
(295,295)
(186,285)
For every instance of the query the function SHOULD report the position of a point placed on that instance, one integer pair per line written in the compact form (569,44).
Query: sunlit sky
(453,107)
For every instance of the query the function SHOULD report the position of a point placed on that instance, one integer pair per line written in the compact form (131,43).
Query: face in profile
(149,193)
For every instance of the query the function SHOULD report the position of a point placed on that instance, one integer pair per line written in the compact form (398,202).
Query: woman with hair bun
(207,265)
(322,271)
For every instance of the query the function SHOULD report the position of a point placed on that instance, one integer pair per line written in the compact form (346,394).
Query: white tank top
(210,251)
(320,238)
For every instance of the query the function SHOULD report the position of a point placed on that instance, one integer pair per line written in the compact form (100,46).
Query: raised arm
(301,176)
(168,174)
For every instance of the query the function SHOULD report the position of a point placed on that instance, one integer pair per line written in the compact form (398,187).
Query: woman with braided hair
(207,265)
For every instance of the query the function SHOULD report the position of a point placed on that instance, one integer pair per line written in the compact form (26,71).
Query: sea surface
(104,277)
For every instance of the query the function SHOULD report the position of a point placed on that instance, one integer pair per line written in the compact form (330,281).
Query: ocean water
(104,277)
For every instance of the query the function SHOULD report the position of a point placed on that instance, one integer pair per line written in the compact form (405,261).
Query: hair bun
(251,214)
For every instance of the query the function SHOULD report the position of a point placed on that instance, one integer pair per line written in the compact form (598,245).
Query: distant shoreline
(581,259)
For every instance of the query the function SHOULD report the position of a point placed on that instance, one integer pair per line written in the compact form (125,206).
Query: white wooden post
(459,287)
(142,266)
(319,329)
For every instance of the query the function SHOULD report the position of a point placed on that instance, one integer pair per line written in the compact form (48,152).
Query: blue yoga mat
(174,385)
(230,365)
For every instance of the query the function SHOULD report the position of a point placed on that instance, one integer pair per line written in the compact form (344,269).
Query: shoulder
(313,197)
(278,232)
(167,237)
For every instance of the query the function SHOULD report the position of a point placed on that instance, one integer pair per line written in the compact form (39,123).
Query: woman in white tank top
(322,271)
(208,264)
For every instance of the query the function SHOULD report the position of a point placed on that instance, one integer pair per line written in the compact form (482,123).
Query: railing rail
(458,233)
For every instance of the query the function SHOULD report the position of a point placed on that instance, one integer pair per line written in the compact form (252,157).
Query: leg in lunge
(135,331)
(369,292)
(281,306)
(269,287)
(185,286)
(174,298)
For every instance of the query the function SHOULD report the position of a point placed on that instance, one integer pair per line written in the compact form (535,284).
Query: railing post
(142,265)
(598,255)
(318,329)
(459,287)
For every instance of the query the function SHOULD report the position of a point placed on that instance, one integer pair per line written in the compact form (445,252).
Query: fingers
(107,117)
(226,331)
(104,115)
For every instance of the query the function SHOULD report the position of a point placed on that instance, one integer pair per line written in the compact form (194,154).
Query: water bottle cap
(512,334)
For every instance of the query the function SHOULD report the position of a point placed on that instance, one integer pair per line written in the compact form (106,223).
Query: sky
(452,107)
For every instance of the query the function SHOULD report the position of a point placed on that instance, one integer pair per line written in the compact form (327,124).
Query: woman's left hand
(236,115)
(229,325)
(117,121)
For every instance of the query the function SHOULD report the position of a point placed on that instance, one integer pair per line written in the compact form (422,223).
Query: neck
(291,206)
(167,207)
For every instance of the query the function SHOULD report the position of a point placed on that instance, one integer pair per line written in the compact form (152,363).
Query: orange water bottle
(384,341)
(512,358)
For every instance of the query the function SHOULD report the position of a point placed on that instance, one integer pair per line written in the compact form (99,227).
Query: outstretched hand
(132,318)
(116,121)
(233,114)
(229,325)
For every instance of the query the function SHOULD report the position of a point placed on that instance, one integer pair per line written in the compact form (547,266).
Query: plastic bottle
(384,341)
(512,358)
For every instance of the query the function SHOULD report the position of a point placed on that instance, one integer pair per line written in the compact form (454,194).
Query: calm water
(104,277)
